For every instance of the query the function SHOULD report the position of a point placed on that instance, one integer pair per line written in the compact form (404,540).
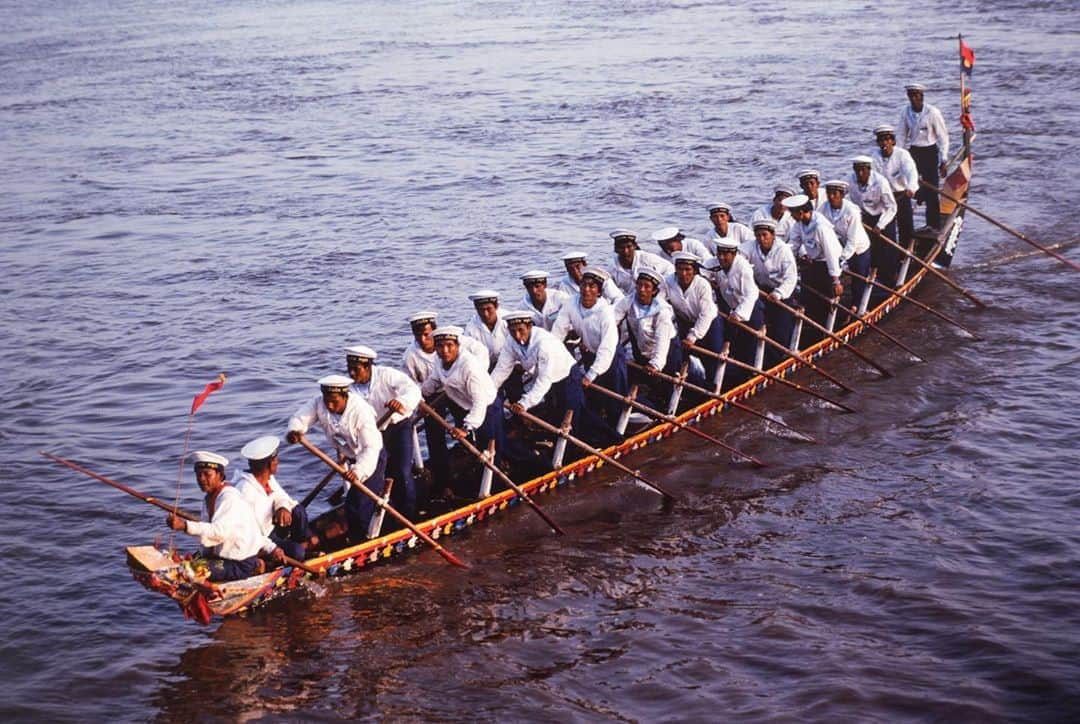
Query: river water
(191,188)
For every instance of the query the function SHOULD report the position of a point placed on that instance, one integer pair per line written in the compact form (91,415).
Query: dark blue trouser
(884,256)
(779,326)
(490,429)
(859,264)
(225,569)
(397,441)
(743,343)
(568,394)
(359,507)
(928,162)
(615,379)
(712,340)
(290,539)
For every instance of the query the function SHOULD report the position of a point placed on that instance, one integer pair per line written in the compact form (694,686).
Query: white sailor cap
(862,161)
(335,383)
(808,172)
(421,318)
(535,275)
(595,273)
(450,331)
(728,242)
(764,224)
(836,184)
(718,206)
(261,447)
(685,257)
(915,87)
(620,233)
(207,459)
(666,233)
(783,189)
(711,264)
(884,130)
(574,256)
(795,202)
(361,351)
(518,316)
(651,275)
(484,296)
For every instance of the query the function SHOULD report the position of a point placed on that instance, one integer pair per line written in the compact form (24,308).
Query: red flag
(967,58)
(210,388)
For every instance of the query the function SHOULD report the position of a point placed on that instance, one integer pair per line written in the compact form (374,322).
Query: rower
(672,240)
(775,273)
(471,399)
(649,323)
(725,227)
(817,250)
(629,259)
(737,297)
(227,529)
(575,263)
(872,193)
(775,210)
(922,131)
(391,391)
(348,422)
(810,183)
(846,219)
(419,359)
(898,167)
(486,324)
(696,321)
(544,303)
(281,518)
(602,358)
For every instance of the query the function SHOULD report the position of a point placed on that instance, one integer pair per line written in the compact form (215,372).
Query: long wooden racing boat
(201,600)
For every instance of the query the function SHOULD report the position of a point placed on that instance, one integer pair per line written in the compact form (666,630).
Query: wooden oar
(788,352)
(336,467)
(490,464)
(709,393)
(928,267)
(769,375)
(329,476)
(1001,226)
(154,501)
(544,424)
(882,370)
(910,299)
(871,326)
(671,419)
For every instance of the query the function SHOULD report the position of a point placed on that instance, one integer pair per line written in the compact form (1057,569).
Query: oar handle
(908,298)
(318,487)
(885,372)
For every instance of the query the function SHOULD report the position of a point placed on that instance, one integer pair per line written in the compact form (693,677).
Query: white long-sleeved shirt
(545,317)
(926,128)
(847,223)
(387,384)
(652,327)
(597,328)
(493,339)
(353,433)
(898,169)
(610,292)
(263,503)
(737,287)
(783,224)
(817,241)
(419,363)
(232,532)
(544,359)
(775,272)
(741,233)
(468,384)
(875,198)
(626,279)
(694,306)
(693,246)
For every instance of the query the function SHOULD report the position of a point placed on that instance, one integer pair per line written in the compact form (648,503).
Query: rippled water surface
(192,188)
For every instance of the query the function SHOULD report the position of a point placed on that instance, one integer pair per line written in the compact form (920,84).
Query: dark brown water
(191,188)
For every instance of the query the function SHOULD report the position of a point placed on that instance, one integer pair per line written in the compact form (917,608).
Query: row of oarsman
(650,310)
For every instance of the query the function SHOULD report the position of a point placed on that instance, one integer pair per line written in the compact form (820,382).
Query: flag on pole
(967,58)
(210,388)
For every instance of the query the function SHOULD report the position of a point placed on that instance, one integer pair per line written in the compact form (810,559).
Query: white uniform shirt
(544,359)
(387,384)
(652,327)
(898,169)
(741,233)
(847,223)
(353,432)
(232,532)
(875,198)
(695,306)
(775,272)
(817,242)
(468,384)
(493,339)
(597,328)
(610,292)
(693,246)
(419,363)
(545,317)
(737,287)
(262,503)
(782,226)
(626,279)
(926,128)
